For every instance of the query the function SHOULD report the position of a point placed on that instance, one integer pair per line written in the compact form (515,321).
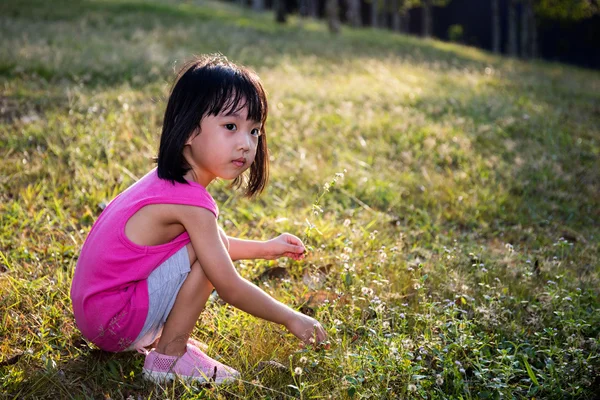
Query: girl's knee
(198,272)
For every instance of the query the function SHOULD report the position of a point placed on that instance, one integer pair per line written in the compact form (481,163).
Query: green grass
(459,253)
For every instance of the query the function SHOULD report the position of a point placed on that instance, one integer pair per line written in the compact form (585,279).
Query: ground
(449,198)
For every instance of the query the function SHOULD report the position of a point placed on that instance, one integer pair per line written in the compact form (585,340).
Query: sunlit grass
(457,257)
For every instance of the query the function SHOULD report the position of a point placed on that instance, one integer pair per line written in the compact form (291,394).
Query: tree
(280,7)
(308,8)
(568,10)
(374,13)
(427,22)
(428,16)
(353,13)
(396,19)
(528,28)
(400,13)
(573,10)
(512,28)
(332,10)
(495,26)
(258,5)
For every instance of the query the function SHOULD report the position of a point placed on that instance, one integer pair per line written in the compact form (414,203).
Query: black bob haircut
(211,85)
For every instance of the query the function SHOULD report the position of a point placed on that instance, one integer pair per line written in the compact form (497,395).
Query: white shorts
(163,286)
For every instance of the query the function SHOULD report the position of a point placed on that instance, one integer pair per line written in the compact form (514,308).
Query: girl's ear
(194,133)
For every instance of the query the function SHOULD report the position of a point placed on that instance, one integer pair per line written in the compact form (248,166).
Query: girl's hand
(307,329)
(284,245)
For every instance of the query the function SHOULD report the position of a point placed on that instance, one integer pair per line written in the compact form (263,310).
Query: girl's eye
(230,127)
(255,132)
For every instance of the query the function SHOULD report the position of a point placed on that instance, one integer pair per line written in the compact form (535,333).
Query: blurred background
(556,30)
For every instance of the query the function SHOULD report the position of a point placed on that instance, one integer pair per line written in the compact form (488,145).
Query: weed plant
(454,255)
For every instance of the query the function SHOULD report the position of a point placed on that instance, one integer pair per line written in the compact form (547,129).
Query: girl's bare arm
(285,245)
(216,263)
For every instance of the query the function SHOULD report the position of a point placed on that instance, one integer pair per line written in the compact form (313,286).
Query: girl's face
(223,147)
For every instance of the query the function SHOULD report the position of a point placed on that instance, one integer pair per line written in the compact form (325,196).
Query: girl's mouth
(240,162)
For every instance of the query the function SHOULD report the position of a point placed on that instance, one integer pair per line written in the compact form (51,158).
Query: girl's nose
(246,142)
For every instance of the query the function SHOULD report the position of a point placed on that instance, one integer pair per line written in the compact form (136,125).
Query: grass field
(451,200)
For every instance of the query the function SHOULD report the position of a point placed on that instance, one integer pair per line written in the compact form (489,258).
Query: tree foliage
(567,9)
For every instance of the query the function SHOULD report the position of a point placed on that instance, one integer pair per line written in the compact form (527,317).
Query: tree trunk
(406,22)
(332,10)
(374,7)
(495,26)
(533,31)
(512,28)
(303,8)
(524,31)
(427,18)
(395,10)
(383,15)
(258,5)
(280,11)
(353,13)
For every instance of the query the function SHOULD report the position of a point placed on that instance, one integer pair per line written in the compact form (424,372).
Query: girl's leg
(189,303)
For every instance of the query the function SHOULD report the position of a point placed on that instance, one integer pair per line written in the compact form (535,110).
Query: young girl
(156,252)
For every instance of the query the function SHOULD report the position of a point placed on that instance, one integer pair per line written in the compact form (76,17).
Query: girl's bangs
(239,93)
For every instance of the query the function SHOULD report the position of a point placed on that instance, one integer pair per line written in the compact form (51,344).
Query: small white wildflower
(337,322)
(412,388)
(386,325)
(417,286)
(348,250)
(380,308)
(366,291)
(382,256)
(303,360)
(439,380)
(347,222)
(462,370)
(298,371)
(326,186)
(344,257)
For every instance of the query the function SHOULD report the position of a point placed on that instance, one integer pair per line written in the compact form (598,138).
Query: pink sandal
(192,366)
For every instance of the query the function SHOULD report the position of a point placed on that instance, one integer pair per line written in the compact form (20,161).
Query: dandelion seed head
(298,371)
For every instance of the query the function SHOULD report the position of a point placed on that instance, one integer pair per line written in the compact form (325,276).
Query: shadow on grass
(86,376)
(254,38)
